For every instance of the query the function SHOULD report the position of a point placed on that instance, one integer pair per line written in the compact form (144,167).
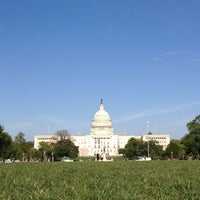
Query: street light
(148,127)
(148,148)
(52,157)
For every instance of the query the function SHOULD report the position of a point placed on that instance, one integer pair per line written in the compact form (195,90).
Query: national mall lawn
(100,180)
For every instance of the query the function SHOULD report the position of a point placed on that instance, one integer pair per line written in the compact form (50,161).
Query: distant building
(101,139)
(162,140)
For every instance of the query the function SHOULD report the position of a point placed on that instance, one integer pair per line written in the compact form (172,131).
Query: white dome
(101,123)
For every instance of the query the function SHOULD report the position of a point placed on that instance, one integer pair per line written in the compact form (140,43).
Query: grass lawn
(100,180)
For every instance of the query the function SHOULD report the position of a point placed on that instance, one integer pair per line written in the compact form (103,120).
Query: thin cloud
(149,113)
(50,119)
(24,125)
(181,122)
(156,59)
(171,53)
(196,60)
(135,116)
(166,54)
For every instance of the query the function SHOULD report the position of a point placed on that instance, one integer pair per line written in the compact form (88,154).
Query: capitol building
(102,139)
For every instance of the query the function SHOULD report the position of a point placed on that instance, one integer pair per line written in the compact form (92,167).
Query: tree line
(188,147)
(22,150)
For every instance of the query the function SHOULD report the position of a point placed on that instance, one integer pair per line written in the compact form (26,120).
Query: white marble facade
(101,139)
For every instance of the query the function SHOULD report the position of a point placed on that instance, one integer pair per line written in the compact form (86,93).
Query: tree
(121,151)
(194,126)
(20,138)
(20,145)
(175,150)
(20,148)
(63,134)
(15,151)
(191,141)
(155,150)
(5,142)
(133,148)
(45,151)
(29,150)
(191,145)
(65,148)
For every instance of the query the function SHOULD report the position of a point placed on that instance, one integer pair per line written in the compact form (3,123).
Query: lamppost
(171,155)
(23,157)
(148,127)
(44,155)
(52,157)
(148,132)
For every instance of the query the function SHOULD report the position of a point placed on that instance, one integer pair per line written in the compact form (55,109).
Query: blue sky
(58,58)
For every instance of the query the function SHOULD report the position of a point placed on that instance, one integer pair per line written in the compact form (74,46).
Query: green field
(100,180)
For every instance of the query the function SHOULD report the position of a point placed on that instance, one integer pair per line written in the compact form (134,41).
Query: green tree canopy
(194,126)
(155,150)
(191,141)
(20,148)
(20,138)
(175,150)
(191,145)
(65,148)
(133,148)
(5,142)
(45,151)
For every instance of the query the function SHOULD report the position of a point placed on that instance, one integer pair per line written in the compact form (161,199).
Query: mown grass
(100,180)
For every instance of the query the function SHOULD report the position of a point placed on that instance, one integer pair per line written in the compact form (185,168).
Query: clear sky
(58,58)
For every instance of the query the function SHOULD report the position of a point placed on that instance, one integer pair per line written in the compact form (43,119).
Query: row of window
(156,138)
(51,138)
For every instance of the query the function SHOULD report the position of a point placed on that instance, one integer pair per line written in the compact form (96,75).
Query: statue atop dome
(101,105)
